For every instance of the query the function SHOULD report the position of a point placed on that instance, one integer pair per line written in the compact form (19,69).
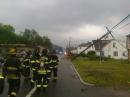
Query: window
(114,45)
(102,53)
(115,53)
(128,40)
(124,54)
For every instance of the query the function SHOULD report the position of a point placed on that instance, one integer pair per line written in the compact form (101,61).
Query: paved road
(24,89)
(68,85)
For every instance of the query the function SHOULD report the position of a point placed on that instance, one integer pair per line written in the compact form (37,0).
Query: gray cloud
(57,18)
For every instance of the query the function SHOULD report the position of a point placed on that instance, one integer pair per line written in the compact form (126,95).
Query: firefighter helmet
(45,51)
(12,51)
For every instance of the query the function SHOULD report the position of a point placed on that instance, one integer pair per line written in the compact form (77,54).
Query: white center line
(31,92)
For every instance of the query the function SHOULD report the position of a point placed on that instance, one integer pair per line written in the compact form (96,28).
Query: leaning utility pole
(69,46)
(108,32)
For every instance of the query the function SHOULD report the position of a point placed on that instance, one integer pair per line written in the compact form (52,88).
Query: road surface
(68,85)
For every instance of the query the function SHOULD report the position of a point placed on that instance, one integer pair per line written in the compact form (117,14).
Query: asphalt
(68,85)
(24,89)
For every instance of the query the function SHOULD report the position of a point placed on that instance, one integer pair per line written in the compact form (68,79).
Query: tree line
(28,37)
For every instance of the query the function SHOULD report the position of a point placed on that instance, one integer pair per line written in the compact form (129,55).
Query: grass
(111,73)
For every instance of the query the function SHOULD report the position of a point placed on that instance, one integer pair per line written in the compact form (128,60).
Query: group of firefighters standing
(41,64)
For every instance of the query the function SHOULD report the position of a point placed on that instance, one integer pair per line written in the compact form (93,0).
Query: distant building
(111,48)
(83,46)
(107,48)
(5,47)
(74,50)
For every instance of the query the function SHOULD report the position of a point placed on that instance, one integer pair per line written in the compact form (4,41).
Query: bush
(83,55)
(92,55)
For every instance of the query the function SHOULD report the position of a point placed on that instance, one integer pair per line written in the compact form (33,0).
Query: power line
(113,28)
(123,26)
(108,32)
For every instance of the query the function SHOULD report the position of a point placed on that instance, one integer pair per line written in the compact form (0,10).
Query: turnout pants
(34,78)
(14,85)
(1,84)
(42,81)
(26,72)
(48,75)
(54,71)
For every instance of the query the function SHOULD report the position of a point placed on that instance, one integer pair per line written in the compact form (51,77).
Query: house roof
(128,35)
(100,44)
(85,44)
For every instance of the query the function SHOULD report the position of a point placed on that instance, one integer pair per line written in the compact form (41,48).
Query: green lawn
(113,73)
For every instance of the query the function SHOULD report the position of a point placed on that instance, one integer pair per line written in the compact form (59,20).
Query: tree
(7,34)
(29,37)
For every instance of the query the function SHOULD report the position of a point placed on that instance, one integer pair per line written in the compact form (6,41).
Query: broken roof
(85,44)
(128,35)
(100,44)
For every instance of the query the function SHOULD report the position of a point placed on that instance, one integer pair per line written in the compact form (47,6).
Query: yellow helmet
(12,51)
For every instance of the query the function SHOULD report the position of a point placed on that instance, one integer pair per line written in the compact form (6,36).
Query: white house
(108,48)
(83,46)
(111,48)
(74,50)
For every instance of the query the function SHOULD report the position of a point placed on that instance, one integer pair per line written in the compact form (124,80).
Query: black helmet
(44,51)
(53,52)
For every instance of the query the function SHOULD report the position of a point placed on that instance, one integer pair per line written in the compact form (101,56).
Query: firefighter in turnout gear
(2,81)
(36,53)
(12,70)
(42,76)
(34,67)
(46,60)
(26,68)
(54,65)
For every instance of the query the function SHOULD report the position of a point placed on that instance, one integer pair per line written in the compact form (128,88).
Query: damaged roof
(100,44)
(85,44)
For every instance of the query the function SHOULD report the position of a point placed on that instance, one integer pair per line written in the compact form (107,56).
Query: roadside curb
(81,80)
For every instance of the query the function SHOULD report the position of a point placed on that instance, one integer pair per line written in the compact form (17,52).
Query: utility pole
(100,48)
(108,32)
(69,45)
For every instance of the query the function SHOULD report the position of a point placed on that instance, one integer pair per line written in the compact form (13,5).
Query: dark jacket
(12,68)
(54,61)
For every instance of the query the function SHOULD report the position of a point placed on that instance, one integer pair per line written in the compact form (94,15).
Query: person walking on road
(34,67)
(26,68)
(46,60)
(42,77)
(12,70)
(54,65)
(2,81)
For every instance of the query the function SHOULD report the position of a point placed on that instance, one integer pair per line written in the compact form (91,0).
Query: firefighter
(1,61)
(42,77)
(34,67)
(2,81)
(26,67)
(36,53)
(46,59)
(12,69)
(54,65)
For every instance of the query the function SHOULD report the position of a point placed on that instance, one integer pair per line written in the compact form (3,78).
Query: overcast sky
(82,20)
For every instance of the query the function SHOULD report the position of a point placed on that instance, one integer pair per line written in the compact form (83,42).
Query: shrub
(92,55)
(83,55)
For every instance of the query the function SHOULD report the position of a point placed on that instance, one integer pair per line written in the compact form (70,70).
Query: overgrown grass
(113,73)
